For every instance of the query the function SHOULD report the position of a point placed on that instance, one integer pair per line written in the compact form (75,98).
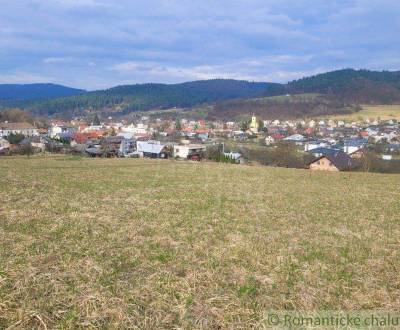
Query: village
(332,145)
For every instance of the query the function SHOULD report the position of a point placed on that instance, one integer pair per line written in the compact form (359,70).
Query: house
(322,151)
(352,145)
(4,144)
(23,128)
(57,131)
(37,143)
(94,149)
(277,136)
(189,151)
(358,154)
(127,147)
(140,128)
(79,138)
(239,135)
(315,144)
(338,161)
(152,149)
(202,136)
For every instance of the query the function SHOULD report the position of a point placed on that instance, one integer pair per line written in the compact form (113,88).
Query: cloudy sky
(95,44)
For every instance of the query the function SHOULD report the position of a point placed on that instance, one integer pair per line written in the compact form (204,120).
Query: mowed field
(147,244)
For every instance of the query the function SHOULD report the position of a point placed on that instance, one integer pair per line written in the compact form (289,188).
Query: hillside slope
(282,107)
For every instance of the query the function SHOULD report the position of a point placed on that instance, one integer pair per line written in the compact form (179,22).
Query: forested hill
(152,96)
(15,92)
(357,86)
(282,107)
(348,86)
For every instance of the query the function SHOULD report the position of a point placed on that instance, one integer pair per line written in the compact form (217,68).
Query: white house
(4,144)
(92,128)
(315,144)
(187,151)
(38,143)
(138,129)
(59,131)
(25,129)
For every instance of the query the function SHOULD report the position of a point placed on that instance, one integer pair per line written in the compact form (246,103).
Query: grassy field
(384,112)
(147,244)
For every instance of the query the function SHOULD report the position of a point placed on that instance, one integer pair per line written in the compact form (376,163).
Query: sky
(96,44)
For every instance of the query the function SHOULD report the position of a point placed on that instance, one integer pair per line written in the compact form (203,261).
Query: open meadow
(155,244)
(372,112)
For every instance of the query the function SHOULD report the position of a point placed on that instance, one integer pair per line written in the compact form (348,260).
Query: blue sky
(96,44)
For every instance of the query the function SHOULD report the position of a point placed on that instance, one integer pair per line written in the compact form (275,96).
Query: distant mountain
(141,97)
(357,86)
(346,86)
(35,91)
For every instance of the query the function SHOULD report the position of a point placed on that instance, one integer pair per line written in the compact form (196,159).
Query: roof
(277,136)
(191,146)
(15,126)
(340,160)
(355,142)
(323,151)
(148,147)
(295,137)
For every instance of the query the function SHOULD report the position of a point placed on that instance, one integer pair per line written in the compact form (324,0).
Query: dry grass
(126,243)
(372,112)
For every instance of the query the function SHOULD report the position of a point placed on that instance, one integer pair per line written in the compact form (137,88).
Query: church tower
(254,124)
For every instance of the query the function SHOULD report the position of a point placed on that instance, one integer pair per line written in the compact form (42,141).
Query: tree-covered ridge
(358,86)
(347,86)
(142,97)
(35,91)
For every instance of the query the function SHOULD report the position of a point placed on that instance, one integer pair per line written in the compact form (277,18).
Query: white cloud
(21,77)
(77,41)
(269,68)
(50,60)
